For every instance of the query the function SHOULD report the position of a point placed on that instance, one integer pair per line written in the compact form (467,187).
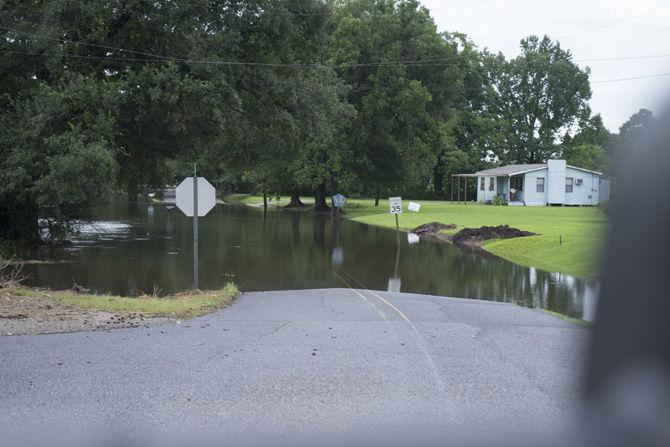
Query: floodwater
(135,248)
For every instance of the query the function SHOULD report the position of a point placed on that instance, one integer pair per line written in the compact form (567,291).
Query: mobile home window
(569,184)
(491,180)
(482,184)
(540,184)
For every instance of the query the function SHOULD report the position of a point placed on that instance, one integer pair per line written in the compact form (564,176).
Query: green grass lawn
(581,230)
(253,200)
(182,305)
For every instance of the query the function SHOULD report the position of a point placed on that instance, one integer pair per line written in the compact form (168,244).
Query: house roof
(510,170)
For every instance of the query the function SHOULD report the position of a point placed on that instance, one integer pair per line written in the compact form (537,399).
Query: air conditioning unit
(579,181)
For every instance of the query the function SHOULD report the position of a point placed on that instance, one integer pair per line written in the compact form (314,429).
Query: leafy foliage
(536,98)
(498,201)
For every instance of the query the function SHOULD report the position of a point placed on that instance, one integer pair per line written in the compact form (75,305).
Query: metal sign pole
(195,226)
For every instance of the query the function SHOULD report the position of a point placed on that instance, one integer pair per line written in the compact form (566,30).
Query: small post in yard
(195,226)
(458,190)
(465,191)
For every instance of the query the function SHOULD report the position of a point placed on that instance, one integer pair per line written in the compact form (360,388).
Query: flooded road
(135,248)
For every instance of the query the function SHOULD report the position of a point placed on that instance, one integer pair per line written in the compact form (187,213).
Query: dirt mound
(475,236)
(431,231)
(431,228)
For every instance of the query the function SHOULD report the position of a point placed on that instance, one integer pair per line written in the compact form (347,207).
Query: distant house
(553,183)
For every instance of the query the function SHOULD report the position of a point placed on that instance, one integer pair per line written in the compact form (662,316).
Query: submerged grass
(181,305)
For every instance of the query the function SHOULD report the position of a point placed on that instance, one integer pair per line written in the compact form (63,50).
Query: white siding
(556,182)
(586,187)
(486,195)
(530,195)
(587,192)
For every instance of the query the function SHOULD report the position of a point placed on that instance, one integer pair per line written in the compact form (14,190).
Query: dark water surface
(136,247)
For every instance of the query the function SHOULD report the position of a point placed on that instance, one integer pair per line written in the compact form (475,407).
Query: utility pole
(195,226)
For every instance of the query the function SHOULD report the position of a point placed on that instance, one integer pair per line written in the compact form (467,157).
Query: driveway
(297,363)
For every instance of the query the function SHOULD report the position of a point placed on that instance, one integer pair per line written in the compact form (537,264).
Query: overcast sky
(589,29)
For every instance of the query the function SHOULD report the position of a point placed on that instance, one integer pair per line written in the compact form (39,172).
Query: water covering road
(133,248)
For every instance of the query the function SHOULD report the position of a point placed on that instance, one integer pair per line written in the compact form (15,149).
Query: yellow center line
(420,340)
(389,304)
(350,287)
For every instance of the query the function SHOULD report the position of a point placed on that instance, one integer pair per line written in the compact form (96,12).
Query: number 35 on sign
(395,204)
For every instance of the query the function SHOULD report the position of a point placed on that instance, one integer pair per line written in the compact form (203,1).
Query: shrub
(499,201)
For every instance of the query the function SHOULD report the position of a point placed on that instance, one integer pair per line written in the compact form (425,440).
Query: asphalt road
(297,362)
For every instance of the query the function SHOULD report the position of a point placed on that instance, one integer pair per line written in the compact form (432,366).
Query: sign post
(338,203)
(395,281)
(196,197)
(395,205)
(195,226)
(338,200)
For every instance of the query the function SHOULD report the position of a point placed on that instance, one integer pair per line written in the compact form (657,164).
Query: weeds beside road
(28,310)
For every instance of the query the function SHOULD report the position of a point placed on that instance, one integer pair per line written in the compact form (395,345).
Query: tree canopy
(537,99)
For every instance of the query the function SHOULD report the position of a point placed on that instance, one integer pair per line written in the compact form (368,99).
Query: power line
(412,63)
(151,57)
(317,12)
(62,39)
(458,5)
(622,58)
(607,81)
(157,57)
(598,28)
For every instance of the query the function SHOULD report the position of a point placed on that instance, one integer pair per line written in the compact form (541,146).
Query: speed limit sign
(395,204)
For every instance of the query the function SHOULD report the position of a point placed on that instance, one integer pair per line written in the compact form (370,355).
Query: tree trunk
(320,204)
(378,195)
(265,202)
(319,234)
(438,181)
(295,201)
(19,222)
(133,192)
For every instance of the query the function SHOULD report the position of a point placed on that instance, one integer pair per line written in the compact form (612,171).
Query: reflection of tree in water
(319,234)
(295,227)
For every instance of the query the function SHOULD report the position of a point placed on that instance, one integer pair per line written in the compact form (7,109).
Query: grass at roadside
(568,238)
(182,305)
(578,321)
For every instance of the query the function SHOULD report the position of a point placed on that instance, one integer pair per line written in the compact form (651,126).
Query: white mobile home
(553,183)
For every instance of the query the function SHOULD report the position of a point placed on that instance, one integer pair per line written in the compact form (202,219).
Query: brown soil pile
(432,228)
(431,231)
(473,237)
